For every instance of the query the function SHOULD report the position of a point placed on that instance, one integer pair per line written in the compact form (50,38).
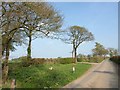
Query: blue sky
(99,18)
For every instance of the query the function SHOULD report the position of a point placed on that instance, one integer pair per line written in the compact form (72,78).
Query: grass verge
(39,76)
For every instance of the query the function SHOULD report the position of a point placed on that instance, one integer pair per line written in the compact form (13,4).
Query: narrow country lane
(103,75)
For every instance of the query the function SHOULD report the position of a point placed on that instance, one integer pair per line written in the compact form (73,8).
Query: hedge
(95,59)
(65,60)
(36,61)
(115,59)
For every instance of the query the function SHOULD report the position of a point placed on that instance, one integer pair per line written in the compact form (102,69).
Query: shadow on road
(107,72)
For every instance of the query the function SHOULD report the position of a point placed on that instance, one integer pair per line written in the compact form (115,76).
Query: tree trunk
(5,65)
(104,56)
(75,55)
(29,48)
(72,54)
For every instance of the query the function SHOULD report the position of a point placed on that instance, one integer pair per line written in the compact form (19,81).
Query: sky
(100,18)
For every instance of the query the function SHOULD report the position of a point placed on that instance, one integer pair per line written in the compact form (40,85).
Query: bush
(34,61)
(96,59)
(22,58)
(25,62)
(79,59)
(115,59)
(65,60)
(52,61)
(38,61)
(82,59)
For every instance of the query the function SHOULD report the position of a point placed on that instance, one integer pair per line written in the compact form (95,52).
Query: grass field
(39,76)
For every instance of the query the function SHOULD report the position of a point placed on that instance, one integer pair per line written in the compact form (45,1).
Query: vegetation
(65,60)
(40,76)
(41,19)
(99,50)
(22,20)
(9,26)
(115,59)
(76,35)
(35,61)
(92,59)
(112,52)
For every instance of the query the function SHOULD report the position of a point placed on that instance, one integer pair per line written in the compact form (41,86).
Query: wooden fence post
(13,84)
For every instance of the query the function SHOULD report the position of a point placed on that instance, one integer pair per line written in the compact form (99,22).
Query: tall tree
(31,19)
(112,52)
(99,50)
(41,19)
(76,35)
(0,46)
(10,24)
(105,52)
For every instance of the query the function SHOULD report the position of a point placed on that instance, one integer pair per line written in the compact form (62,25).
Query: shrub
(79,59)
(115,59)
(82,59)
(51,61)
(38,61)
(22,58)
(96,59)
(26,63)
(34,61)
(65,60)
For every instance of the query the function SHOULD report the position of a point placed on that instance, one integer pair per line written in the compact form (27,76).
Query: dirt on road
(102,75)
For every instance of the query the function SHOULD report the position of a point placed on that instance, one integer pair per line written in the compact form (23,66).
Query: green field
(39,76)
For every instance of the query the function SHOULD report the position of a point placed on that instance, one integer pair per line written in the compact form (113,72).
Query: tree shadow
(107,72)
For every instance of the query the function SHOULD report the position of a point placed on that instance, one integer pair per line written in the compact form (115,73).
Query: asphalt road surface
(102,75)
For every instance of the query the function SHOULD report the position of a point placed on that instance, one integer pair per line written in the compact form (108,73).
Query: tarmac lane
(102,75)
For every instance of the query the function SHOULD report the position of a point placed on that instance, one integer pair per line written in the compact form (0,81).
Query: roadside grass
(39,76)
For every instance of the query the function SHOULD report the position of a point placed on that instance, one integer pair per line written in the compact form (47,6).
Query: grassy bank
(39,76)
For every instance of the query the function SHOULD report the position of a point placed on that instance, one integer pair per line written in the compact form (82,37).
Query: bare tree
(76,35)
